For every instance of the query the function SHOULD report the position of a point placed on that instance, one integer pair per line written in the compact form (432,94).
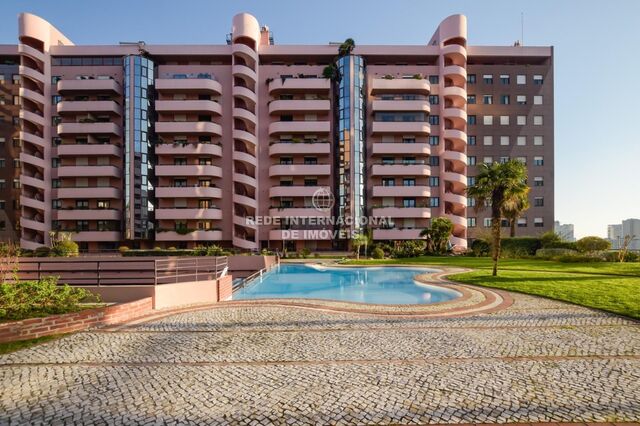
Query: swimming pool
(379,285)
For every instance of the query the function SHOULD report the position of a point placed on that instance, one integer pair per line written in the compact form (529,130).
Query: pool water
(379,285)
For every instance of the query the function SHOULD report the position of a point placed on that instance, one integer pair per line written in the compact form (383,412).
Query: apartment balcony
(33,224)
(397,234)
(244,71)
(381,148)
(188,170)
(26,201)
(199,235)
(401,191)
(89,86)
(89,150)
(29,245)
(455,135)
(87,171)
(189,149)
(402,212)
(245,201)
(189,106)
(33,160)
(401,105)
(32,181)
(458,241)
(188,192)
(299,127)
(455,156)
(86,107)
(458,221)
(188,213)
(404,127)
(98,236)
(299,106)
(301,235)
(300,170)
(25,49)
(243,221)
(34,139)
(88,214)
(302,148)
(246,115)
(455,114)
(244,243)
(200,85)
(245,94)
(245,157)
(89,128)
(298,212)
(244,51)
(400,85)
(245,179)
(245,136)
(456,93)
(32,117)
(299,85)
(400,170)
(454,51)
(106,192)
(32,95)
(454,177)
(31,73)
(187,127)
(456,73)
(450,197)
(293,191)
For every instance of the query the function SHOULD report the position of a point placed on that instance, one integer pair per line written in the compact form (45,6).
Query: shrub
(377,253)
(65,248)
(520,246)
(592,244)
(305,252)
(200,251)
(409,248)
(215,250)
(554,253)
(614,256)
(123,249)
(480,247)
(42,251)
(579,258)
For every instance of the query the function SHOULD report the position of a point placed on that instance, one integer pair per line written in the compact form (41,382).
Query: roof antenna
(522,28)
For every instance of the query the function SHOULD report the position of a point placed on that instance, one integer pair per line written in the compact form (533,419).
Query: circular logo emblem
(323,199)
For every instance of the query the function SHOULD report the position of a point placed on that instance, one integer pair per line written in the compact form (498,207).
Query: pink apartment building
(181,145)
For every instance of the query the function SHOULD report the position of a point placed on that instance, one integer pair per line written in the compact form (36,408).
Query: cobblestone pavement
(537,361)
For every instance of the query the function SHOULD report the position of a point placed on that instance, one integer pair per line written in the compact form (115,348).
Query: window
(56,141)
(16,184)
(385,160)
(286,160)
(537,120)
(308,182)
(434,181)
(521,120)
(409,140)
(104,204)
(538,80)
(434,119)
(471,180)
(538,202)
(310,160)
(471,160)
(205,161)
(521,140)
(537,100)
(487,140)
(471,222)
(487,99)
(487,160)
(537,140)
(408,202)
(504,140)
(434,160)
(471,79)
(504,79)
(523,160)
(82,225)
(487,78)
(2,204)
(487,222)
(2,163)
(521,99)
(82,204)
(538,222)
(3,184)
(286,118)
(471,140)
(471,99)
(471,202)
(538,160)
(55,183)
(505,99)
(180,183)
(434,202)
(56,204)
(15,78)
(388,182)
(522,222)
(408,182)
(521,79)
(434,140)
(471,119)
(538,181)
(204,225)
(487,120)
(434,99)
(408,160)
(504,120)
(17,143)
(16,100)
(55,99)
(434,79)
(503,159)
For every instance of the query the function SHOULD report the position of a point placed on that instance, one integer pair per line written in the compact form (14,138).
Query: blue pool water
(379,285)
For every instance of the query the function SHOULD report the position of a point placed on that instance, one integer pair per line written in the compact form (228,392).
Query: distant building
(564,230)
(617,233)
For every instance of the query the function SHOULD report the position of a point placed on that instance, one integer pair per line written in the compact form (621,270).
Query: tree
(498,185)
(358,241)
(437,236)
(592,244)
(346,48)
(624,248)
(513,209)
(550,239)
(62,245)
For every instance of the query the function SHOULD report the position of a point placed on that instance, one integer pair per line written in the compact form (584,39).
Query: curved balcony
(88,214)
(245,201)
(459,221)
(304,148)
(107,192)
(34,139)
(293,191)
(450,197)
(88,171)
(89,128)
(457,74)
(400,85)
(33,160)
(188,214)
(455,156)
(401,105)
(396,234)
(31,95)
(188,192)
(301,235)
(244,71)
(189,149)
(188,106)
(245,94)
(95,236)
(242,221)
(29,245)
(401,148)
(32,117)
(400,170)
(401,191)
(298,212)
(31,202)
(245,136)
(299,84)
(31,73)
(244,244)
(89,150)
(455,178)
(299,127)
(455,135)
(191,236)
(406,127)
(185,127)
(402,212)
(299,105)
(455,93)
(244,51)
(245,157)
(458,242)
(188,170)
(455,114)
(89,86)
(27,50)
(245,114)
(455,52)
(85,107)
(245,179)
(300,170)
(32,181)
(33,224)
(203,85)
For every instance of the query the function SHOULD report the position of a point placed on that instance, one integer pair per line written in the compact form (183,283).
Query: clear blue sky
(597,66)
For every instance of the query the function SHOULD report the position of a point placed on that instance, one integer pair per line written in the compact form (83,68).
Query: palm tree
(498,185)
(346,47)
(358,241)
(514,208)
(437,235)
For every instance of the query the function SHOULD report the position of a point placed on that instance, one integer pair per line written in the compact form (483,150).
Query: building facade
(564,230)
(166,145)
(617,233)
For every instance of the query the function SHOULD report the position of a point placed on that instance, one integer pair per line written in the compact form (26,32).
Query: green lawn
(8,347)
(613,287)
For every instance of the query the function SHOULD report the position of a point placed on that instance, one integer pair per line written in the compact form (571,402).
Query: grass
(9,347)
(612,287)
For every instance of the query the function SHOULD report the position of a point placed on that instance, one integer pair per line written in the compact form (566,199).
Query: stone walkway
(536,361)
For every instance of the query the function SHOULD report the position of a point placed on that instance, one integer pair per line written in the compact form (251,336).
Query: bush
(29,299)
(520,246)
(216,250)
(377,253)
(42,251)
(123,249)
(592,244)
(614,256)
(480,247)
(200,251)
(65,248)
(305,252)
(579,258)
(409,248)
(554,253)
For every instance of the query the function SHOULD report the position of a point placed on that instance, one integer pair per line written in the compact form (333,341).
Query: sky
(596,65)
